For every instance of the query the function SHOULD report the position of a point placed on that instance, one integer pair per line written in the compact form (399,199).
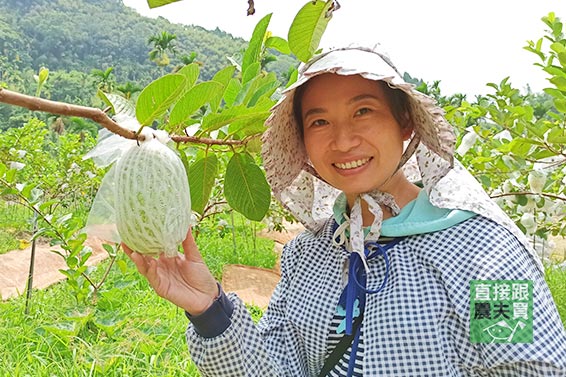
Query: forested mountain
(74,37)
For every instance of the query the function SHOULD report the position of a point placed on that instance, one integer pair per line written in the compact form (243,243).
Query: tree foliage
(514,142)
(61,36)
(226,112)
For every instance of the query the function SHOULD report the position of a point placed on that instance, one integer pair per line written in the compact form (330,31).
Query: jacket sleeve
(507,259)
(241,348)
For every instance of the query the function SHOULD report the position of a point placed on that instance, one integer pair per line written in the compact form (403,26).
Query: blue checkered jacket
(418,325)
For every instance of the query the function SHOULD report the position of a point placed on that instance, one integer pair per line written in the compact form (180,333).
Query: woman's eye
(363,111)
(319,122)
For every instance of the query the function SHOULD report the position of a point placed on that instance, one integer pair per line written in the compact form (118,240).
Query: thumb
(190,247)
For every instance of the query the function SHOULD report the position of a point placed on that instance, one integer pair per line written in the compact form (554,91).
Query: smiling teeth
(351,164)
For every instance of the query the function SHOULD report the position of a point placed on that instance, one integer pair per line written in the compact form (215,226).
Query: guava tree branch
(529,193)
(66,109)
(97,115)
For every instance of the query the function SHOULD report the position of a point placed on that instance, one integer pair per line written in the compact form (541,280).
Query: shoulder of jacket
(477,243)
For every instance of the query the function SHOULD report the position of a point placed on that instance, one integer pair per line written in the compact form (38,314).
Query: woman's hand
(185,280)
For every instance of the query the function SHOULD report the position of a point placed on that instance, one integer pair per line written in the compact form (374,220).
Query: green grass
(237,244)
(7,241)
(128,331)
(556,278)
(15,224)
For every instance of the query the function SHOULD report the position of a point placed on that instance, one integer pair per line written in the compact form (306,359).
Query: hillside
(73,37)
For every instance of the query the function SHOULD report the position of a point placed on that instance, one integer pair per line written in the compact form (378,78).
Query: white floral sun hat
(428,157)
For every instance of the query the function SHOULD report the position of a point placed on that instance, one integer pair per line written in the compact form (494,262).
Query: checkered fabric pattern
(418,325)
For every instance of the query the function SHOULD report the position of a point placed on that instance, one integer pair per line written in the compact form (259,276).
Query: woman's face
(351,136)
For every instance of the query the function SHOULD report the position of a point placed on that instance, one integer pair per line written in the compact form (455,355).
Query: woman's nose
(344,138)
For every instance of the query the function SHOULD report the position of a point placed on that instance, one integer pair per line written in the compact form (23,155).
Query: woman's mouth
(351,164)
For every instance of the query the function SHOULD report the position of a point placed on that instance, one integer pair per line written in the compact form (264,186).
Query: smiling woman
(406,266)
(353,138)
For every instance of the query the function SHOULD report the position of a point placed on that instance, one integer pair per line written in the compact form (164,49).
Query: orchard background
(213,92)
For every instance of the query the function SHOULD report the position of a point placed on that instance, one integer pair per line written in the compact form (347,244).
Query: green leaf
(85,256)
(26,191)
(555,71)
(279,44)
(109,249)
(254,145)
(251,88)
(557,47)
(223,77)
(63,219)
(62,329)
(560,105)
(521,146)
(308,27)
(119,104)
(202,174)
(122,265)
(485,180)
(559,81)
(191,72)
(45,206)
(247,127)
(156,98)
(557,136)
(292,77)
(100,94)
(246,188)
(193,100)
(555,93)
(11,175)
(538,129)
(260,86)
(244,90)
(522,200)
(43,75)
(541,153)
(159,3)
(266,90)
(251,72)
(253,52)
(213,122)
(231,93)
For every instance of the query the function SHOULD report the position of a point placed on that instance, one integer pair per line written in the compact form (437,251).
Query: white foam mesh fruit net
(144,201)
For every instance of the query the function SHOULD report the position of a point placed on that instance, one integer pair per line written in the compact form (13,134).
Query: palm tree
(162,43)
(104,79)
(186,60)
(128,89)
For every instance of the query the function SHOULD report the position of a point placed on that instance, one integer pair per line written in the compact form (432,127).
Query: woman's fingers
(191,250)
(126,249)
(137,258)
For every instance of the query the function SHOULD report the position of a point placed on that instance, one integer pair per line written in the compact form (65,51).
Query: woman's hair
(398,102)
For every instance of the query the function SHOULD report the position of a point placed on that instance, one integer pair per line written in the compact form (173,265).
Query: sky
(464,44)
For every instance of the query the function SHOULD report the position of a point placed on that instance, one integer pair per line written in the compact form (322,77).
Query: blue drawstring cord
(357,288)
(357,279)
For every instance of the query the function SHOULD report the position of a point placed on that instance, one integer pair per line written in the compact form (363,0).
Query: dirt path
(15,267)
(254,285)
